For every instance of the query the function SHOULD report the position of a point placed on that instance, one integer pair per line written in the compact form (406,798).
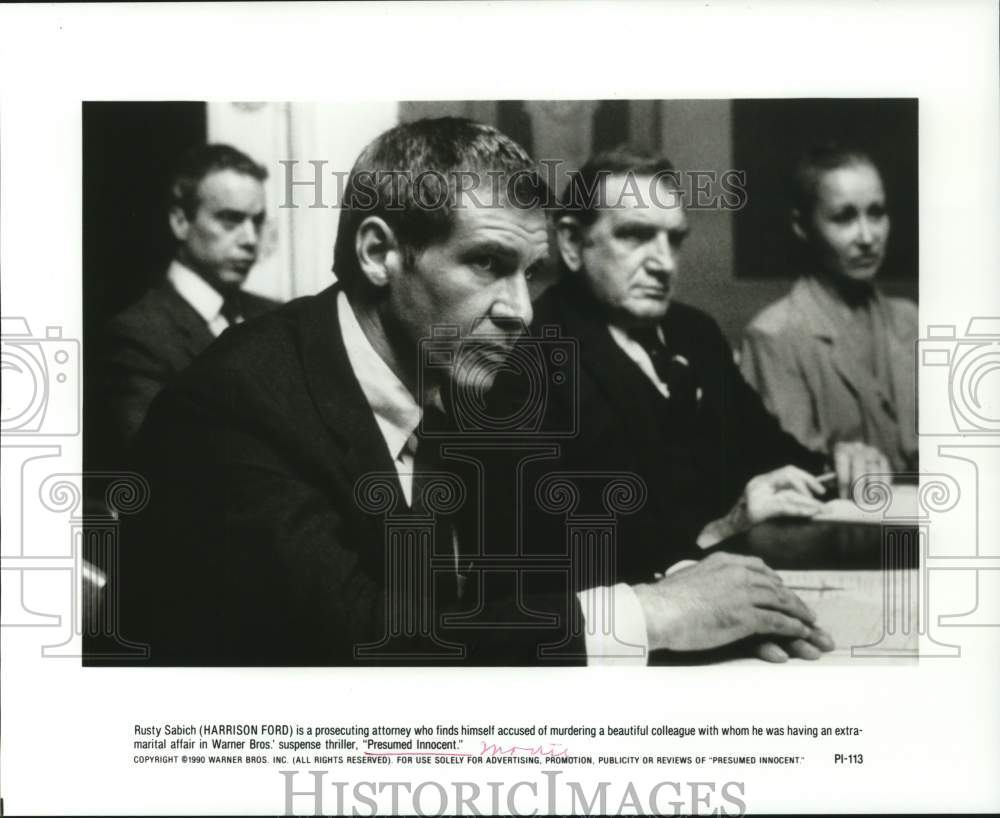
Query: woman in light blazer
(834,359)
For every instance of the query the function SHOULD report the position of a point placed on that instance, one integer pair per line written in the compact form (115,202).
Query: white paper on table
(861,609)
(903,504)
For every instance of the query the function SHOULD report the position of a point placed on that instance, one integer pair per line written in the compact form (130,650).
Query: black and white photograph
(595,442)
(405,412)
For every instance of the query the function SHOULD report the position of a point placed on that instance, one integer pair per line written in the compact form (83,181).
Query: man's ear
(569,239)
(380,257)
(797,227)
(179,224)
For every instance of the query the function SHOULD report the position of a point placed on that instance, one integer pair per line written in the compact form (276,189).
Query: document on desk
(902,504)
(868,613)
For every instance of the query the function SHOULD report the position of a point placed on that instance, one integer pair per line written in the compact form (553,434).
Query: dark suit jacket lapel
(335,390)
(193,333)
(615,375)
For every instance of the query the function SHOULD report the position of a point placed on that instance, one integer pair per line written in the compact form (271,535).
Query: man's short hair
(817,160)
(410,177)
(582,196)
(201,161)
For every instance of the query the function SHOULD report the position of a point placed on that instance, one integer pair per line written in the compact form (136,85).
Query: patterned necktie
(673,370)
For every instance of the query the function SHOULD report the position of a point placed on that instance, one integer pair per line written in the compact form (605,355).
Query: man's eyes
(232,219)
(486,263)
(644,235)
(535,269)
(635,234)
(498,266)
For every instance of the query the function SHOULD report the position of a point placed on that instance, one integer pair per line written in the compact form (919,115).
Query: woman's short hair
(820,159)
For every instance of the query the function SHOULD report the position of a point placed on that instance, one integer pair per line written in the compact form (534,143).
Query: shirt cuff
(614,627)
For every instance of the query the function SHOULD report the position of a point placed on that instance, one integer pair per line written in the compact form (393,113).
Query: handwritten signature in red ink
(554,750)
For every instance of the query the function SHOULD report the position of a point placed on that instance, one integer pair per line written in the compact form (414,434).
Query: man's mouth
(490,347)
(657,293)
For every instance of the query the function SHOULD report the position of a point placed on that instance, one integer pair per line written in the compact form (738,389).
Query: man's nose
(514,304)
(249,233)
(661,257)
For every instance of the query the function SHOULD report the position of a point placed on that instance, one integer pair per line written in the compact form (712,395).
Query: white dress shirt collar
(398,415)
(196,291)
(637,353)
(396,411)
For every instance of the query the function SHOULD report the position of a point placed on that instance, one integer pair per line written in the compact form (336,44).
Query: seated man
(292,468)
(216,215)
(658,394)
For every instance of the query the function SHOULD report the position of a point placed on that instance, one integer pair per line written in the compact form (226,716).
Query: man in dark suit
(216,213)
(658,394)
(309,503)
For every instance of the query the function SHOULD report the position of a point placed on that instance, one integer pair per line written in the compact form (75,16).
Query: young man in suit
(293,468)
(216,214)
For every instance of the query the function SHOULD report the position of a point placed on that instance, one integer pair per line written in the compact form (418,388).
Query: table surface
(856,569)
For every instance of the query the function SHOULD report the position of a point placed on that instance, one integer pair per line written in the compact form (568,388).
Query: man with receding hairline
(659,397)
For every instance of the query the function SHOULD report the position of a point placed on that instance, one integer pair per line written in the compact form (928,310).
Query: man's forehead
(230,188)
(504,222)
(638,191)
(631,198)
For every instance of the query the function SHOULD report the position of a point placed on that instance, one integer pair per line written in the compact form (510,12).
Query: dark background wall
(128,150)
(770,134)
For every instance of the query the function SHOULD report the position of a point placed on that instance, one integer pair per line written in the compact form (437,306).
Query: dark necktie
(427,457)
(431,435)
(673,370)
(232,308)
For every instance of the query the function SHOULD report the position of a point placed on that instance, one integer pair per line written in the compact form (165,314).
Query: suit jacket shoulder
(904,317)
(254,305)
(143,349)
(258,457)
